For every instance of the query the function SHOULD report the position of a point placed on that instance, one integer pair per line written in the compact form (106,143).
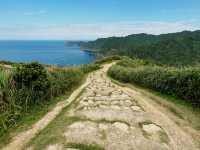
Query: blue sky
(90,19)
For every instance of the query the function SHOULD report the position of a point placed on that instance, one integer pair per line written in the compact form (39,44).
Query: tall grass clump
(180,82)
(28,85)
(108,59)
(8,109)
(32,84)
(64,79)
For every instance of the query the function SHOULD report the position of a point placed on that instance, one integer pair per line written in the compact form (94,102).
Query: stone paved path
(118,118)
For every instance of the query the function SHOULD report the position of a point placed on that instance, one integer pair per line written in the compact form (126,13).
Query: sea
(45,52)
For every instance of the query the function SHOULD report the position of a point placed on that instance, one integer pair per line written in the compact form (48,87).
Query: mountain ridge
(179,49)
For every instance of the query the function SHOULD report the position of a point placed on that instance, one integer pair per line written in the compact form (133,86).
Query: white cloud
(92,31)
(35,13)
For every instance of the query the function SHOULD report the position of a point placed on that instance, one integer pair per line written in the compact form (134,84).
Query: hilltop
(179,49)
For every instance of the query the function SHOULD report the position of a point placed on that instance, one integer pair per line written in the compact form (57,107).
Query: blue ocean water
(46,52)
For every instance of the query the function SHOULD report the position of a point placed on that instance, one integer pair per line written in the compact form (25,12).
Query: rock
(77,125)
(104,93)
(103,106)
(121,102)
(115,97)
(151,128)
(115,103)
(115,107)
(85,108)
(55,147)
(103,126)
(90,93)
(29,148)
(127,103)
(125,96)
(84,103)
(117,92)
(90,102)
(135,108)
(126,108)
(100,98)
(122,126)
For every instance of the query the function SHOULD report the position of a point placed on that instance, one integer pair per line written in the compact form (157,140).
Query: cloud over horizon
(92,31)
(35,13)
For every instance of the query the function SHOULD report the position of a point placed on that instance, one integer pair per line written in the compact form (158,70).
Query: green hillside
(181,48)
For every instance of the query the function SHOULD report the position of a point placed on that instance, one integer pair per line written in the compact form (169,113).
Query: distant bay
(46,52)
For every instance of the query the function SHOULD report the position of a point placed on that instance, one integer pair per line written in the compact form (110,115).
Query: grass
(53,133)
(36,112)
(83,146)
(161,99)
(6,62)
(181,82)
(18,113)
(31,117)
(164,138)
(59,81)
(109,59)
(182,109)
(182,112)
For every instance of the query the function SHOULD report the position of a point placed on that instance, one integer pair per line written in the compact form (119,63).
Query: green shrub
(6,62)
(9,111)
(180,82)
(108,59)
(90,67)
(128,62)
(31,82)
(64,79)
(31,75)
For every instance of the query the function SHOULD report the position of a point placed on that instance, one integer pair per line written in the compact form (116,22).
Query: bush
(31,82)
(8,109)
(108,59)
(180,82)
(64,79)
(90,67)
(6,62)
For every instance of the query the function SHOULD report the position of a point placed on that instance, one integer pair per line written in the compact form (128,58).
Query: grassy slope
(181,82)
(38,111)
(31,117)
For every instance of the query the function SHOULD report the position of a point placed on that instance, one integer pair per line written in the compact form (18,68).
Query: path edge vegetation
(57,76)
(123,75)
(182,108)
(75,76)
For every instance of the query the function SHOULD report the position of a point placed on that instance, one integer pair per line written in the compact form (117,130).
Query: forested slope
(178,49)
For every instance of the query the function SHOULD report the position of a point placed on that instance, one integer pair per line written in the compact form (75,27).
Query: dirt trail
(116,118)
(23,138)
